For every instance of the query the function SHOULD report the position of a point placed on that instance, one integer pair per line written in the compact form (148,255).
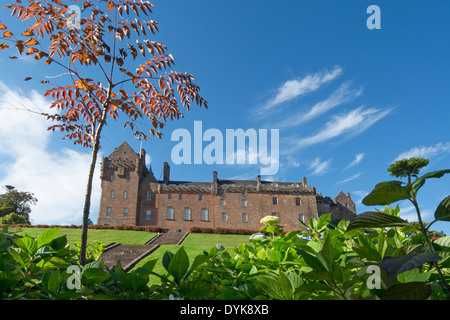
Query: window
(112,194)
(298,202)
(244,192)
(275,200)
(169,196)
(149,195)
(244,203)
(222,202)
(204,214)
(200,197)
(148,214)
(108,212)
(187,213)
(113,178)
(128,177)
(224,216)
(244,217)
(180,197)
(221,192)
(125,212)
(301,218)
(274,214)
(124,194)
(170,213)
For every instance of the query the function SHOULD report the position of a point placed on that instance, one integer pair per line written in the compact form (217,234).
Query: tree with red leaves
(107,75)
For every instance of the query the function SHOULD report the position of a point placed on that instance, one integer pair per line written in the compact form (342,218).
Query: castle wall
(234,204)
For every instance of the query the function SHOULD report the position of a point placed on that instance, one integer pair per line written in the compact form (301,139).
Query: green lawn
(194,244)
(107,236)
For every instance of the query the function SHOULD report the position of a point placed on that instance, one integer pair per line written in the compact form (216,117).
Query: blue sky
(347,101)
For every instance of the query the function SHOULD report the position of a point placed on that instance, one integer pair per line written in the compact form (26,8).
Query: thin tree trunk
(87,205)
(87,199)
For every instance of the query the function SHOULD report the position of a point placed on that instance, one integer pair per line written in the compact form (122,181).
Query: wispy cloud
(295,88)
(425,152)
(56,177)
(358,159)
(349,124)
(342,95)
(350,179)
(319,167)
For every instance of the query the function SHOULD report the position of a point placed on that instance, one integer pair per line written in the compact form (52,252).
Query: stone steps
(130,254)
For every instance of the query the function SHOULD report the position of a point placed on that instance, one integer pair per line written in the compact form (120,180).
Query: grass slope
(194,244)
(106,236)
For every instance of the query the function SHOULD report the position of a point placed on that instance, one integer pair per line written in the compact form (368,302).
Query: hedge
(94,226)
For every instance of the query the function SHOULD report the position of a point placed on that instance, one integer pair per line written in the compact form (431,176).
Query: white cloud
(56,177)
(425,152)
(350,179)
(358,159)
(342,95)
(319,167)
(409,213)
(350,124)
(294,88)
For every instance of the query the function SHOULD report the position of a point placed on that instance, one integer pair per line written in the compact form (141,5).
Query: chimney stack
(304,182)
(166,175)
(258,182)
(215,176)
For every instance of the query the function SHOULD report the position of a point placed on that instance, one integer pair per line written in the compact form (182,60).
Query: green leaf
(443,210)
(376,220)
(27,244)
(443,243)
(179,264)
(416,185)
(198,261)
(295,278)
(396,265)
(413,275)
(196,290)
(149,265)
(323,221)
(59,243)
(93,276)
(271,286)
(167,257)
(368,253)
(274,256)
(54,282)
(47,236)
(286,286)
(406,250)
(408,291)
(387,194)
(387,183)
(7,280)
(326,255)
(312,261)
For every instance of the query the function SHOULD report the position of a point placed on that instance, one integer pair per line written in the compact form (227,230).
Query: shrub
(12,218)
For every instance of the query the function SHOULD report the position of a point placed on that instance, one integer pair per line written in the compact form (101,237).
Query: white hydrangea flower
(270,220)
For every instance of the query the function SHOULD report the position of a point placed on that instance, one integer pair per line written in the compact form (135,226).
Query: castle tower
(120,176)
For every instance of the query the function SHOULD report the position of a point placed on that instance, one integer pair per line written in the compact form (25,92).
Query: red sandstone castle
(131,195)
